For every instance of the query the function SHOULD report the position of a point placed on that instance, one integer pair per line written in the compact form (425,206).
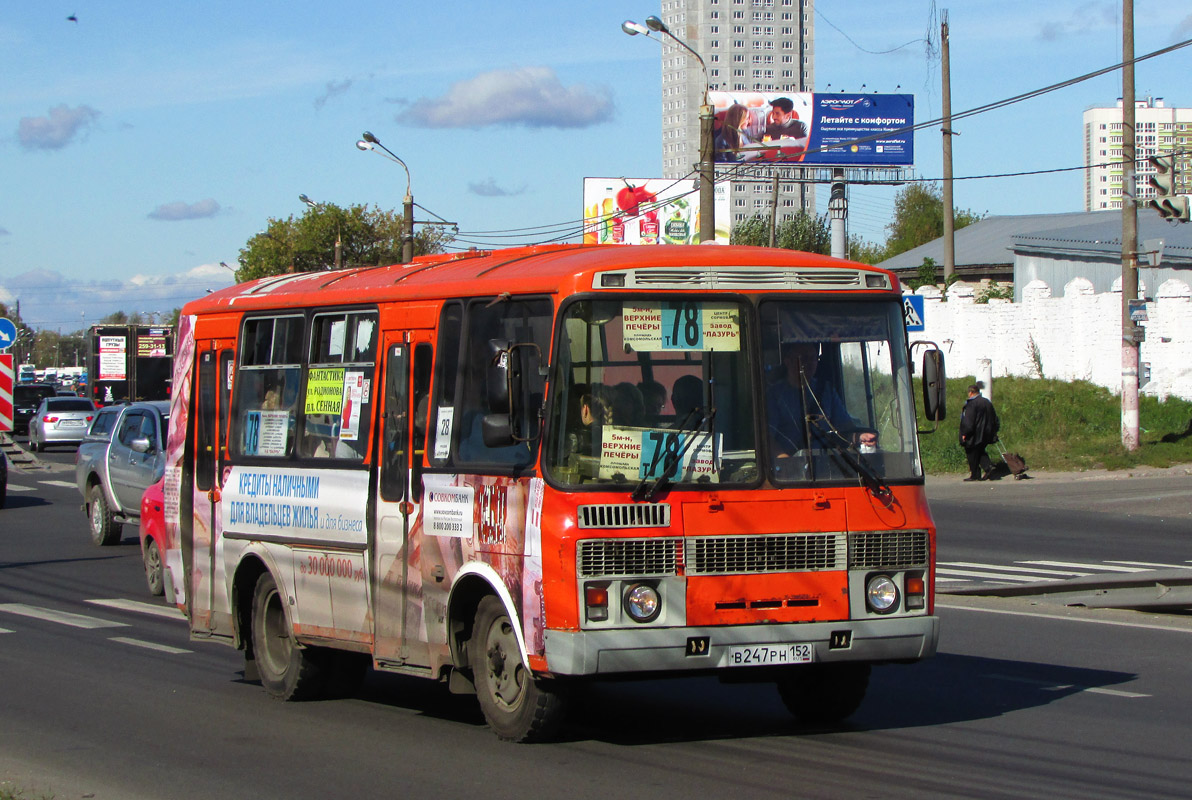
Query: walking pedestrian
(978,428)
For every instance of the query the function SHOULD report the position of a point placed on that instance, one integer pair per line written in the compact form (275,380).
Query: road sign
(8,333)
(6,382)
(1137,310)
(912,311)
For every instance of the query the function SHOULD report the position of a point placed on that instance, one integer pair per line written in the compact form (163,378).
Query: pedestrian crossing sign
(912,311)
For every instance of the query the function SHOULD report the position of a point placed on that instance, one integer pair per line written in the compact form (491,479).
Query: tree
(803,231)
(919,218)
(307,243)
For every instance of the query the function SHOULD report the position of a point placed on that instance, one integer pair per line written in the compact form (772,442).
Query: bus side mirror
(506,392)
(935,386)
(496,431)
(500,376)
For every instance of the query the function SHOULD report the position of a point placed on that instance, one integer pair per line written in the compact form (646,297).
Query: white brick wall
(1078,334)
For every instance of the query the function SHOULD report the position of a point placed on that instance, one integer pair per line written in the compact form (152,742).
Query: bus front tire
(104,528)
(287,670)
(823,694)
(518,707)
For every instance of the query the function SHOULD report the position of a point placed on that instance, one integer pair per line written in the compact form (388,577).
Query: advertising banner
(648,211)
(822,129)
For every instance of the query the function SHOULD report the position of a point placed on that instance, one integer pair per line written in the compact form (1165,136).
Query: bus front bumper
(646,650)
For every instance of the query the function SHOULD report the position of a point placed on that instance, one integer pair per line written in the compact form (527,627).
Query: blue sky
(145,143)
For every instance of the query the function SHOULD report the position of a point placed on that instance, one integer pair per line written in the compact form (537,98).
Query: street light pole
(339,248)
(707,170)
(370,142)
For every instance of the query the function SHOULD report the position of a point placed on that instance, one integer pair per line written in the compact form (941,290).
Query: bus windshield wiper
(673,460)
(840,447)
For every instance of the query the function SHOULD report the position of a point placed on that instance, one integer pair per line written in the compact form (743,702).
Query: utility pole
(949,221)
(774,213)
(1130,332)
(838,208)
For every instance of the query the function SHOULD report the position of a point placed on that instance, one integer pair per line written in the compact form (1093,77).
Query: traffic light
(1169,204)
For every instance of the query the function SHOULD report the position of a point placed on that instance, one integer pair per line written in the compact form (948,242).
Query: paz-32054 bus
(517,471)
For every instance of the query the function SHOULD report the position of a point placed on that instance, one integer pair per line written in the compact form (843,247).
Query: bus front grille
(888,549)
(625,515)
(601,558)
(796,552)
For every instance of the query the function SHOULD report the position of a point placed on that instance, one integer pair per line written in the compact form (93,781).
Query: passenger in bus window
(628,406)
(654,397)
(799,395)
(687,398)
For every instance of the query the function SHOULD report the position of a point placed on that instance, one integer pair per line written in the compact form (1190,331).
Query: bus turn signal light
(596,600)
(916,592)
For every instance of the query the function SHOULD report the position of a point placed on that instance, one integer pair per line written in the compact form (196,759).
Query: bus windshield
(838,402)
(665,391)
(654,389)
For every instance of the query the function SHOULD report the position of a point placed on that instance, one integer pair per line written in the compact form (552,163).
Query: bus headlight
(643,603)
(881,594)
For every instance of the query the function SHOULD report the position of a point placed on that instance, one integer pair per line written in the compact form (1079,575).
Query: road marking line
(170,612)
(162,648)
(1063,618)
(61,617)
(5,630)
(1149,564)
(1082,566)
(63,484)
(13,487)
(1135,498)
(990,575)
(1039,570)
(1059,687)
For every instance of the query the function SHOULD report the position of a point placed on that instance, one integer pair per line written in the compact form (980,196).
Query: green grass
(1062,427)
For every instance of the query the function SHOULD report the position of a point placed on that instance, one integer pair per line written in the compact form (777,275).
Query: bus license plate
(763,655)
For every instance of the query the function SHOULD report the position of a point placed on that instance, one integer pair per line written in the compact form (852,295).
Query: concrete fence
(1076,336)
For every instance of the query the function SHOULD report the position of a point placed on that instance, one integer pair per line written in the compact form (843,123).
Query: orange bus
(516,471)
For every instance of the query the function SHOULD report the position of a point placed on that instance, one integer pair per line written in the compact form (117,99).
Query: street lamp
(339,248)
(707,175)
(370,142)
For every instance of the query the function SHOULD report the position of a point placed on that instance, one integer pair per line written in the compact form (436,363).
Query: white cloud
(489,188)
(334,89)
(530,96)
(174,212)
(57,129)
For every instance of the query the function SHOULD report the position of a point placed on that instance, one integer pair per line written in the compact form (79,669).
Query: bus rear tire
(821,694)
(518,707)
(288,670)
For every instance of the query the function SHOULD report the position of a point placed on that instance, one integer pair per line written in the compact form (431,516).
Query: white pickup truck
(122,455)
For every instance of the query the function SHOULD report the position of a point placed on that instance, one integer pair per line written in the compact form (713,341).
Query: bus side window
(421,402)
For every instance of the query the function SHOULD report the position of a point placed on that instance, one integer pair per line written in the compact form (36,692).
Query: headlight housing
(881,594)
(642,603)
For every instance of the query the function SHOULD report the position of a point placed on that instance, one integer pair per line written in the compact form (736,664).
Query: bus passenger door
(206,487)
(396,574)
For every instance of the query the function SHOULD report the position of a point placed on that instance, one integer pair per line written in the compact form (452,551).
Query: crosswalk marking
(1035,570)
(1105,567)
(5,630)
(162,648)
(944,571)
(61,617)
(16,487)
(1150,565)
(62,484)
(169,612)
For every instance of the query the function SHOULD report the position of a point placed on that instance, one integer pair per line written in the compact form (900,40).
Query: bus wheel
(153,567)
(104,529)
(824,693)
(518,707)
(288,671)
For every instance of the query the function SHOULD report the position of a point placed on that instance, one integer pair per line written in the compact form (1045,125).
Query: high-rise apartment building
(1158,130)
(747,45)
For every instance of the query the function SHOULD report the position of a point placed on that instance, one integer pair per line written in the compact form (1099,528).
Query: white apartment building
(747,45)
(1159,130)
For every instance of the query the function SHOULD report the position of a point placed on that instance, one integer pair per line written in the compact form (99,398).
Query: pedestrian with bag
(978,428)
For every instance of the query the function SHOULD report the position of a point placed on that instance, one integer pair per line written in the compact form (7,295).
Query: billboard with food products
(648,211)
(862,130)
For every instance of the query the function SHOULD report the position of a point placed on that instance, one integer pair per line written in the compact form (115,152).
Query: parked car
(120,457)
(60,420)
(153,536)
(26,397)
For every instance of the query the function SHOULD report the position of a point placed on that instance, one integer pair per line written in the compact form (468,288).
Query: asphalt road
(1022,701)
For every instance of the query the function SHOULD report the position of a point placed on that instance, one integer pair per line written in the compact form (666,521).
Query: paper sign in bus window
(351,403)
(637,454)
(681,325)
(266,433)
(324,391)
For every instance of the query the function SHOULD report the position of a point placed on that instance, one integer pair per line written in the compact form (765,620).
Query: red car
(153,536)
